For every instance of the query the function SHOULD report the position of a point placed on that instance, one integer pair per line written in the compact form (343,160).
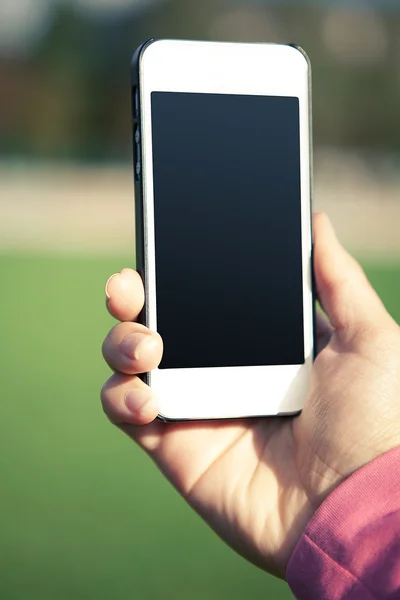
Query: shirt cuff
(328,561)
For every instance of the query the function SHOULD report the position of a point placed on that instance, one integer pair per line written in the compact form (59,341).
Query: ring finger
(128,400)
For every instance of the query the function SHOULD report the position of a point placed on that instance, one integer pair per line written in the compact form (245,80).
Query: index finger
(125,295)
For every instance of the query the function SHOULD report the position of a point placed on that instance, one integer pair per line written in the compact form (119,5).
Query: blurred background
(84,515)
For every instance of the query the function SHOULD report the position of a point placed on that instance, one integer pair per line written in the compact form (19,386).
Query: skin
(257,483)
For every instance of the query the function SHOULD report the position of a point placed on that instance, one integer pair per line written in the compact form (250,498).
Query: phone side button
(137,153)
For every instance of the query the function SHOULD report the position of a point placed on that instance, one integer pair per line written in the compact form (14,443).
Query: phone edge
(311,164)
(140,254)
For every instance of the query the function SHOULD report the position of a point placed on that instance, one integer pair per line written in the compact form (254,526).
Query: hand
(258,482)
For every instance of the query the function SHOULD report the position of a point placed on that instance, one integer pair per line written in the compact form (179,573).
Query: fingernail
(107,284)
(137,400)
(133,344)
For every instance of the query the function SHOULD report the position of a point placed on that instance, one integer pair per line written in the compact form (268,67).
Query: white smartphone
(223,225)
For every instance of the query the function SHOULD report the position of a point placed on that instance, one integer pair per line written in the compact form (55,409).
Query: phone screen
(227,209)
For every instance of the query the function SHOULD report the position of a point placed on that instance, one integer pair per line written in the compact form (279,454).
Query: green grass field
(84,514)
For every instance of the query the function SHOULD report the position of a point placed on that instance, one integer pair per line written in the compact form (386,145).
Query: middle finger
(131,348)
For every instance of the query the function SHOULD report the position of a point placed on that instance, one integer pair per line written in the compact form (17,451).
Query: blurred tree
(71,97)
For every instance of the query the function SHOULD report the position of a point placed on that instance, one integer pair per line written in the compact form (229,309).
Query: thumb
(345,293)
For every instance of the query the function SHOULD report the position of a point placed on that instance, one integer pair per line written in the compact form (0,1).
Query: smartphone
(222,161)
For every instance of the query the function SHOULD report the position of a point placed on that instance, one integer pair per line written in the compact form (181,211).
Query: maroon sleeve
(350,550)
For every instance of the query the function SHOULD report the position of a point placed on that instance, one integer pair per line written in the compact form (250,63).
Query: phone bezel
(226,68)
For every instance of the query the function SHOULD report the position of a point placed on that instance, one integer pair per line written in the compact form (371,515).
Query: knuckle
(104,348)
(111,396)
(318,217)
(107,404)
(107,355)
(109,344)
(104,398)
(109,341)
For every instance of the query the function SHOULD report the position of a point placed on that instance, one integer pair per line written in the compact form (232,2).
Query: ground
(74,210)
(84,513)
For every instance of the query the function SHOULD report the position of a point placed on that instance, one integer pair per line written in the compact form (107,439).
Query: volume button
(137,154)
(135,103)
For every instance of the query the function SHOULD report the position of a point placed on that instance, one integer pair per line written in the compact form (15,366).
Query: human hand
(258,482)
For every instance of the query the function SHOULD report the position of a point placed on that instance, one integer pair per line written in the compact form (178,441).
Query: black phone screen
(228,241)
